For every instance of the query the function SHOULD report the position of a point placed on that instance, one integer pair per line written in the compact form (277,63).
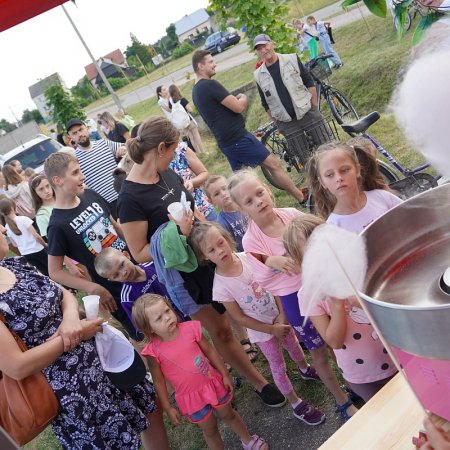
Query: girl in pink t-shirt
(278,273)
(251,306)
(180,353)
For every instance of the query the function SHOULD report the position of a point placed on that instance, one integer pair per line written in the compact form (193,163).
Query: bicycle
(341,108)
(405,181)
(410,15)
(295,150)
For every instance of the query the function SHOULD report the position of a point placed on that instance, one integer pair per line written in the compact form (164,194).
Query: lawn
(372,66)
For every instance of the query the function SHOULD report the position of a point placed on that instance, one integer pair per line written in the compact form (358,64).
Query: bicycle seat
(361,125)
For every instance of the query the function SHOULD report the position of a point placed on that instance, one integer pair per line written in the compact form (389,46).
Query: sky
(47,43)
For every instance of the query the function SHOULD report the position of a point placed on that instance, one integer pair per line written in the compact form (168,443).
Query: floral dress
(180,166)
(94,414)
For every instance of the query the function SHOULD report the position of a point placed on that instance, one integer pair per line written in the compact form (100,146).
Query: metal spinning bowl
(405,290)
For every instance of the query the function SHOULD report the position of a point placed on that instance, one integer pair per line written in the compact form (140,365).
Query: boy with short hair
(80,227)
(229,217)
(136,279)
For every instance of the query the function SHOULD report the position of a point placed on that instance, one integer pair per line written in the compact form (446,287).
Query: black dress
(94,414)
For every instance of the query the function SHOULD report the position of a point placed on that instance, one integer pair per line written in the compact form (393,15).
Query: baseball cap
(73,122)
(261,39)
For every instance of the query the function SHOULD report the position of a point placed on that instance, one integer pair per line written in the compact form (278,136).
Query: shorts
(308,333)
(206,411)
(248,151)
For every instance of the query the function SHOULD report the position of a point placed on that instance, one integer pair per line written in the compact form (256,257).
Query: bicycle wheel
(406,25)
(388,173)
(341,108)
(277,145)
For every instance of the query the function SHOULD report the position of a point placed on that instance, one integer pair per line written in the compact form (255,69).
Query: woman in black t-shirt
(192,130)
(149,188)
(115,131)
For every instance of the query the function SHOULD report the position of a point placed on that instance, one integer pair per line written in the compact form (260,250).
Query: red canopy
(13,12)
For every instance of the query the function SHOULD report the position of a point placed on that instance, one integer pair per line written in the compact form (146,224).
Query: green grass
(300,8)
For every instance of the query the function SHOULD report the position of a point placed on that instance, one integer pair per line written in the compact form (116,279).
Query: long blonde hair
(369,179)
(297,230)
(6,206)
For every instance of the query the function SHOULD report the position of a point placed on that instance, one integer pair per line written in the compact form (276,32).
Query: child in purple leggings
(251,306)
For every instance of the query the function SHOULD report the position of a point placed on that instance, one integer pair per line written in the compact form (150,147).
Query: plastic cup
(91,306)
(176,209)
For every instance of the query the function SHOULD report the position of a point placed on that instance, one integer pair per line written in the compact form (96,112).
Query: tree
(62,106)
(29,116)
(7,126)
(84,92)
(172,38)
(137,48)
(257,16)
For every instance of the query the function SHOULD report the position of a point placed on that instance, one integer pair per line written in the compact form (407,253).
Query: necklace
(166,188)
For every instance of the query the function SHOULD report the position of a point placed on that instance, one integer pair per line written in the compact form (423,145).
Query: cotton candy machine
(407,291)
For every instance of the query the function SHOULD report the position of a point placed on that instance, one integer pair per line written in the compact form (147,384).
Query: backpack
(179,117)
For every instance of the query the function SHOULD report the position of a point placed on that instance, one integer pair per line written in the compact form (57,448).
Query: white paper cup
(176,210)
(91,306)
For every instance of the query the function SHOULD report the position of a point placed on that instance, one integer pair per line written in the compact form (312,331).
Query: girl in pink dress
(180,353)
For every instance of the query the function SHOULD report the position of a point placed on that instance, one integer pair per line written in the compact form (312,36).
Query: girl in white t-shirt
(251,306)
(23,235)
(350,193)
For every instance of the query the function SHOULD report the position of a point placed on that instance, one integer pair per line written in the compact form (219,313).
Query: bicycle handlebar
(313,62)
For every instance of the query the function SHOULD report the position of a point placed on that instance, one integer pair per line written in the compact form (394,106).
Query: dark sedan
(218,42)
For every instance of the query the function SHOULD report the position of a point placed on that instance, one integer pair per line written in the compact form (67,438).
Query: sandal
(342,409)
(256,443)
(251,350)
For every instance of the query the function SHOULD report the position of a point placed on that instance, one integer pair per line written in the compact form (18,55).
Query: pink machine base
(430,379)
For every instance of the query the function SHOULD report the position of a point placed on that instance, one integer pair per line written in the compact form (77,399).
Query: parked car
(219,41)
(32,153)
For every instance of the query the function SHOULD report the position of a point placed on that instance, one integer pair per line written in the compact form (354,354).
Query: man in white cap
(287,92)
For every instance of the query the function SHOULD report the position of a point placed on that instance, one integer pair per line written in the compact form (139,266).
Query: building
(113,65)
(190,25)
(37,93)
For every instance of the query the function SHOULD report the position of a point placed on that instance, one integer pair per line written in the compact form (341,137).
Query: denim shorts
(248,151)
(206,411)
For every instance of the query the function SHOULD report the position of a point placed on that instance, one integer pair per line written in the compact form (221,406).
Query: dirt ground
(280,428)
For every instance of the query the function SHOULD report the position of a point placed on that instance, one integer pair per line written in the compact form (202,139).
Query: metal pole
(99,70)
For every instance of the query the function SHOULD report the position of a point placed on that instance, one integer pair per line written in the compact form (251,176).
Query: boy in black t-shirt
(80,227)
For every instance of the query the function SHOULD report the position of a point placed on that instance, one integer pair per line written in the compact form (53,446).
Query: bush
(117,83)
(182,50)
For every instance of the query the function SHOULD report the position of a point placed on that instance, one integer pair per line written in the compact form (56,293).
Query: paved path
(230,58)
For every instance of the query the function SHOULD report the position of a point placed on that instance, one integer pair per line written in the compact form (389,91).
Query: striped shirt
(97,165)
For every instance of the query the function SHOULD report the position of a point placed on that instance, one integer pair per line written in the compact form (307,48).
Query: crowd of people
(231,257)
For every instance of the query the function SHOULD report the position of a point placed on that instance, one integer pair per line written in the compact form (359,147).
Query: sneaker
(310,374)
(308,414)
(271,396)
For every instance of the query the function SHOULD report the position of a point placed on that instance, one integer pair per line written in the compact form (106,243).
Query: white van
(32,153)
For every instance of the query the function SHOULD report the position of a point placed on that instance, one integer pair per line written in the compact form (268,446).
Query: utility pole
(99,70)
